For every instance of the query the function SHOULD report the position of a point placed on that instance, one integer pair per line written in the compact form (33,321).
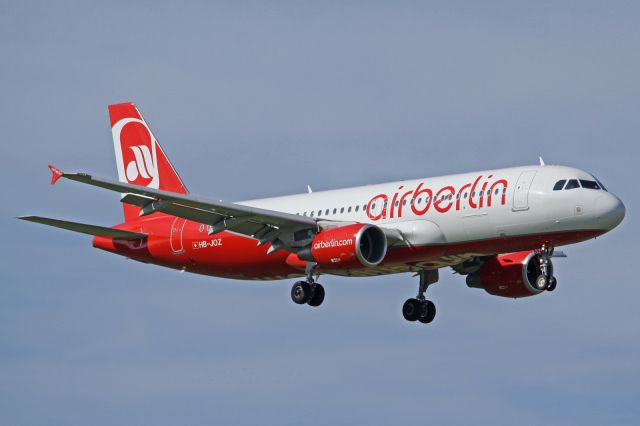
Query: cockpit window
(589,184)
(573,183)
(600,184)
(559,185)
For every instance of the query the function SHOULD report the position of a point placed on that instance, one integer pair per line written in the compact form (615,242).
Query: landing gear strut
(546,280)
(419,308)
(309,291)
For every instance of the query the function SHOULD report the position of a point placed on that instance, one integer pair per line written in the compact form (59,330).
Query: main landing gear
(419,308)
(546,280)
(309,291)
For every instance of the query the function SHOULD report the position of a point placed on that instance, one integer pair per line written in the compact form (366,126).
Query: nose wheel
(551,285)
(419,308)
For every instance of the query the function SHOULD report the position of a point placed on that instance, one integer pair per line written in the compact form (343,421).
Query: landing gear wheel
(301,292)
(317,297)
(553,282)
(428,312)
(411,309)
(541,282)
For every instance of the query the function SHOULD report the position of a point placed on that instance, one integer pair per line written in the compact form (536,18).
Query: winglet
(55,174)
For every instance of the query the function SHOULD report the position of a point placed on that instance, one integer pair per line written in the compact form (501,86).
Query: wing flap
(85,228)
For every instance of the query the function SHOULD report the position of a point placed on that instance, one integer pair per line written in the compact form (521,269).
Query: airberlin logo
(333,243)
(473,195)
(136,155)
(142,165)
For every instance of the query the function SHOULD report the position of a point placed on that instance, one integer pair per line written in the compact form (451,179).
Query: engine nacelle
(347,247)
(509,275)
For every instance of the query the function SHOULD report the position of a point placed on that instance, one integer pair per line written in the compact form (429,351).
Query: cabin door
(521,193)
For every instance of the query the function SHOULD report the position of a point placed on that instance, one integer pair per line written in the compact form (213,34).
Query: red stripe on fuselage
(234,256)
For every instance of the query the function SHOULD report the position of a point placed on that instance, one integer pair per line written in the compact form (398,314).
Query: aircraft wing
(261,224)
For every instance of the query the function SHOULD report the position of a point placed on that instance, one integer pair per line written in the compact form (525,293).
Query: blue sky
(253,99)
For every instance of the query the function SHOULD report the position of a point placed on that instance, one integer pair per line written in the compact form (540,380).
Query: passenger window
(335,211)
(319,212)
(559,185)
(589,184)
(572,184)
(419,200)
(404,202)
(326,212)
(341,209)
(311,214)
(358,207)
(349,209)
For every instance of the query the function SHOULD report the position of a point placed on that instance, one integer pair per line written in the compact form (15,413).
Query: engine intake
(347,247)
(509,275)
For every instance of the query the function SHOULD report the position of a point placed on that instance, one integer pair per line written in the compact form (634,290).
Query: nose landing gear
(420,309)
(546,280)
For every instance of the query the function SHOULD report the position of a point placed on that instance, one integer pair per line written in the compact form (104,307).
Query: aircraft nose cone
(610,210)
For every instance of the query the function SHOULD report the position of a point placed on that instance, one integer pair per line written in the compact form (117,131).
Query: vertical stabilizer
(139,157)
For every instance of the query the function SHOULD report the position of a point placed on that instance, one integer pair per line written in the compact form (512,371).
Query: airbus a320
(497,227)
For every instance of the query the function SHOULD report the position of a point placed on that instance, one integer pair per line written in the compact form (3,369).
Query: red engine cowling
(347,247)
(509,275)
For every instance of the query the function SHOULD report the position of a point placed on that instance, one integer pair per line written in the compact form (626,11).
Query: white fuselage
(466,207)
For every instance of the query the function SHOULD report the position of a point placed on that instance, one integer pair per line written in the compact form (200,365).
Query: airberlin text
(474,195)
(333,243)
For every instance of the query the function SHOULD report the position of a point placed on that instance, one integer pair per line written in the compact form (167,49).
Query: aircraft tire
(553,282)
(301,292)
(430,313)
(411,309)
(317,295)
(541,282)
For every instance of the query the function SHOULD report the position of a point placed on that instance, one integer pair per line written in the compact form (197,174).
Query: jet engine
(510,275)
(347,247)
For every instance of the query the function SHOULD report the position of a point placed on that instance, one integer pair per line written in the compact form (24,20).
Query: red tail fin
(139,157)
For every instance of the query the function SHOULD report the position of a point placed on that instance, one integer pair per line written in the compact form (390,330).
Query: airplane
(499,228)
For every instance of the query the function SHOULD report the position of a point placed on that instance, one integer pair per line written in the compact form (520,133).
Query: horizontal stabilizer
(86,229)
